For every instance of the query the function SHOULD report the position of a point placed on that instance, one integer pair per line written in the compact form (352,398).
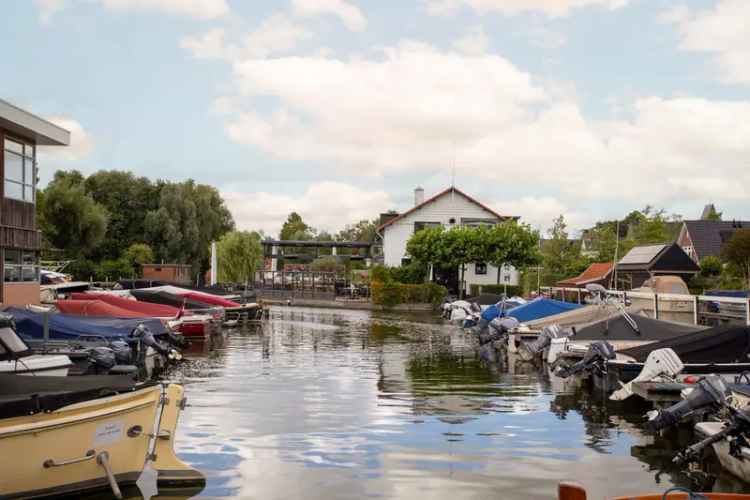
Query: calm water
(348,404)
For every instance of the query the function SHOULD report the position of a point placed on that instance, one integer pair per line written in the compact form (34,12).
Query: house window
(20,266)
(20,171)
(480,268)
(418,226)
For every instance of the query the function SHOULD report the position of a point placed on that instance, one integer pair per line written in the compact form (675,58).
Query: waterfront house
(172,273)
(449,208)
(20,134)
(704,238)
(644,262)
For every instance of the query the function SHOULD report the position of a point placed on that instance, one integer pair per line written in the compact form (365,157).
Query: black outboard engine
(101,360)
(497,328)
(123,352)
(735,429)
(595,359)
(710,392)
(531,349)
(147,340)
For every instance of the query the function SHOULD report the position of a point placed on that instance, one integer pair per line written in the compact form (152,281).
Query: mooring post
(747,311)
(695,309)
(656,306)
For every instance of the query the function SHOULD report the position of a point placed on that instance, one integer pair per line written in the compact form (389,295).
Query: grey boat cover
(23,395)
(720,344)
(616,327)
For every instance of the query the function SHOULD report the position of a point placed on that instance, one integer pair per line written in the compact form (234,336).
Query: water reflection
(341,404)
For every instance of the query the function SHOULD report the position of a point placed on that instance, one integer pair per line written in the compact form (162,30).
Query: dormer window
(20,171)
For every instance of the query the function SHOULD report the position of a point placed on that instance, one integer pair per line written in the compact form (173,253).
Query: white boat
(17,357)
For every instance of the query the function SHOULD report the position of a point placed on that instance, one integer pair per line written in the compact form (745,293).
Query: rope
(691,495)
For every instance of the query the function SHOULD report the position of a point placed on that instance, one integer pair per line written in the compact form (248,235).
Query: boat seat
(123,370)
(743,389)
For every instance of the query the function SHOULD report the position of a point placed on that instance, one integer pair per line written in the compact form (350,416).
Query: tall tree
(736,252)
(513,244)
(561,256)
(69,218)
(363,230)
(295,228)
(239,256)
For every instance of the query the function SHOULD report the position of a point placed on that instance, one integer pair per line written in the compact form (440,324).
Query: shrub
(711,266)
(391,293)
(413,273)
(512,290)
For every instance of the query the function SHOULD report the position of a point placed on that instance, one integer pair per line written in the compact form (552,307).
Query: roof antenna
(453,167)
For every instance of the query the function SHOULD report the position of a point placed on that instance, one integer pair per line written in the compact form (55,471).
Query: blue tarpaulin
(30,325)
(540,308)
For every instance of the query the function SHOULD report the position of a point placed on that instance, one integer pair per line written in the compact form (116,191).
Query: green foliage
(711,266)
(736,252)
(414,273)
(69,218)
(295,229)
(82,269)
(327,264)
(239,255)
(561,256)
(363,230)
(713,214)
(114,269)
(189,216)
(390,293)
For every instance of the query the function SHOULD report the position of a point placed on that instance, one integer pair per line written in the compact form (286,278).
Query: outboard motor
(497,328)
(735,429)
(710,392)
(147,339)
(595,359)
(530,349)
(123,352)
(659,363)
(101,360)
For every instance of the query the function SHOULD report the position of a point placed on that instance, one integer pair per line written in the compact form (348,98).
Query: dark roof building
(703,238)
(644,262)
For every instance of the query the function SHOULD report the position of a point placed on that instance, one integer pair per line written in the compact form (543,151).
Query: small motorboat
(18,358)
(69,436)
(572,491)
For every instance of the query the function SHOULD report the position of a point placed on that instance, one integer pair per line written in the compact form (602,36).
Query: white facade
(450,208)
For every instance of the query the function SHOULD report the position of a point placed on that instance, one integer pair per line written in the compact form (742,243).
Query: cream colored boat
(104,442)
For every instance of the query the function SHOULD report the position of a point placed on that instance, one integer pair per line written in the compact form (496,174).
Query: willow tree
(239,255)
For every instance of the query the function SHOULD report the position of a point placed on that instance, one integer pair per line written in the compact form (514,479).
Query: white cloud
(324,205)
(409,109)
(539,212)
(350,15)
(276,35)
(81,142)
(198,9)
(723,30)
(475,42)
(552,8)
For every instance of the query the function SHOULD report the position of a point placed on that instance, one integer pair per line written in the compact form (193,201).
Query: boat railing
(696,309)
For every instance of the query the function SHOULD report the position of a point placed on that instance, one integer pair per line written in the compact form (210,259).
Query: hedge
(392,293)
(512,290)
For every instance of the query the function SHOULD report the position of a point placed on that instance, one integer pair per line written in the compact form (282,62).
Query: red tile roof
(439,195)
(597,271)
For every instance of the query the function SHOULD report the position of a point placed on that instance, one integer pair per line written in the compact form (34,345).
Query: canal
(334,404)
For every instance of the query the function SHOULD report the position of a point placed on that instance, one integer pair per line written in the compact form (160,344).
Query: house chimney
(418,196)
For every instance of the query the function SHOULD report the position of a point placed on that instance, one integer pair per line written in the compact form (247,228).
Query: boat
(540,308)
(573,491)
(250,311)
(97,433)
(18,358)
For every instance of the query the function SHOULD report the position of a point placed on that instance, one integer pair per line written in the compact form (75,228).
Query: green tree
(561,257)
(711,266)
(363,231)
(513,244)
(295,228)
(713,214)
(70,219)
(736,252)
(127,198)
(327,264)
(239,256)
(139,253)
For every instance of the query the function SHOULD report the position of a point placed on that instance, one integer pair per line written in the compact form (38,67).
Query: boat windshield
(9,340)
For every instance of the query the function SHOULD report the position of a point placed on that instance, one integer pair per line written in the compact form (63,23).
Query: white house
(448,208)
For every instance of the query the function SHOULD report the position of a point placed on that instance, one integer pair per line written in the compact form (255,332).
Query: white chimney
(418,196)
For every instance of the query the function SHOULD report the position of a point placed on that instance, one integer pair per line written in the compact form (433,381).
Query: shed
(597,272)
(644,262)
(173,273)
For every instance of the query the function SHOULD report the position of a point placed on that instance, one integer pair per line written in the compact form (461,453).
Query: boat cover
(616,327)
(30,324)
(143,283)
(166,298)
(720,344)
(206,298)
(540,308)
(144,308)
(23,395)
(95,308)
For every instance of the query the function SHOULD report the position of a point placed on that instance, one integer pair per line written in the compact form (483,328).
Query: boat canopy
(95,308)
(143,308)
(617,327)
(30,324)
(540,308)
(166,298)
(206,298)
(720,344)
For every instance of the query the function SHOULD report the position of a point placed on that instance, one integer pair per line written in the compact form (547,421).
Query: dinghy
(18,358)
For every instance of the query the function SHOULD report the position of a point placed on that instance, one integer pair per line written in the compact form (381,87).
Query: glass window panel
(28,273)
(28,193)
(28,165)
(12,273)
(12,256)
(29,258)
(29,150)
(13,190)
(13,167)
(14,146)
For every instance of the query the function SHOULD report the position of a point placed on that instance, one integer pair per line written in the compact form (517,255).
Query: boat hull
(739,467)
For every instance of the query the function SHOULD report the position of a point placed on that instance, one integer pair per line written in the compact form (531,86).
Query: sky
(338,109)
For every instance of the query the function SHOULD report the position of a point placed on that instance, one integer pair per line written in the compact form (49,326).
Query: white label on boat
(108,433)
